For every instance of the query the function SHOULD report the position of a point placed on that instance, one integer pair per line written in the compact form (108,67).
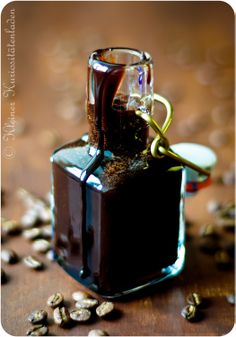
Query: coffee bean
(3,276)
(9,256)
(231,298)
(32,233)
(30,218)
(44,214)
(97,332)
(80,315)
(11,227)
(50,255)
(213,206)
(209,230)
(223,259)
(55,300)
(32,262)
(227,211)
(37,330)
(86,303)
(209,245)
(190,313)
(46,231)
(41,245)
(194,299)
(80,295)
(37,316)
(61,316)
(104,309)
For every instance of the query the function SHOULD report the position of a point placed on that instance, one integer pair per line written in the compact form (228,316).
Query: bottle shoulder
(111,171)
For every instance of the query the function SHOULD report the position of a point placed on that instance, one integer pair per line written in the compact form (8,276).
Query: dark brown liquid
(116,217)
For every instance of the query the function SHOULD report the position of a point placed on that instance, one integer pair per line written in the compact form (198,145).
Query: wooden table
(53,41)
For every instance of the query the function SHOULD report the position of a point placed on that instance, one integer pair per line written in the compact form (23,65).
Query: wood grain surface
(192,44)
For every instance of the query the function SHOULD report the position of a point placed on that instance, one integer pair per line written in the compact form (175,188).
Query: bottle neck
(113,126)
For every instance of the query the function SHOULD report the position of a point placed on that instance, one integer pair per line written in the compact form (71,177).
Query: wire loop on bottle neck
(160,145)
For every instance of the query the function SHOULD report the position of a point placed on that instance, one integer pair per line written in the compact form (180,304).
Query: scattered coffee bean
(86,303)
(9,256)
(209,230)
(190,313)
(55,300)
(3,276)
(44,214)
(11,227)
(41,245)
(194,299)
(61,316)
(80,315)
(46,231)
(209,245)
(231,298)
(80,295)
(227,224)
(222,259)
(50,255)
(32,262)
(37,316)
(30,218)
(97,332)
(104,309)
(32,233)
(227,211)
(37,330)
(213,206)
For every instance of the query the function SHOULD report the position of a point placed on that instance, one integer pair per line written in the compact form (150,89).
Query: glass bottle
(118,213)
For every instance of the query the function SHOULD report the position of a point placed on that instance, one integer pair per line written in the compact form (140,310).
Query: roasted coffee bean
(97,332)
(55,300)
(104,309)
(231,298)
(226,224)
(30,218)
(80,315)
(9,256)
(86,303)
(194,299)
(3,276)
(80,295)
(41,245)
(11,227)
(213,206)
(223,259)
(37,316)
(32,233)
(209,245)
(61,316)
(50,255)
(37,330)
(46,231)
(45,214)
(209,230)
(32,262)
(190,313)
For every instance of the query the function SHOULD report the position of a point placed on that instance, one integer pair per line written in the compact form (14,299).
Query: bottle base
(166,273)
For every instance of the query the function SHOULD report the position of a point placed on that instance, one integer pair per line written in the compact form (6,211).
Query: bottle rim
(104,56)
